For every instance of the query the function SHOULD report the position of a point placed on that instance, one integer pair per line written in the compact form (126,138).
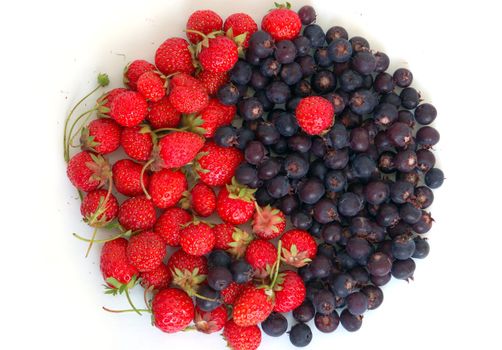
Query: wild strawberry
(202,199)
(88,171)
(107,98)
(230,294)
(146,250)
(169,225)
(211,118)
(174,56)
(212,81)
(197,238)
(218,54)
(235,203)
(217,167)
(158,278)
(163,115)
(137,213)
(210,322)
(166,187)
(261,255)
(114,263)
(187,95)
(242,338)
(204,21)
(102,136)
(282,23)
(298,247)
(127,177)
(253,306)
(315,115)
(151,86)
(128,108)
(240,23)
(134,70)
(172,310)
(232,239)
(188,271)
(137,143)
(268,222)
(179,148)
(94,201)
(290,291)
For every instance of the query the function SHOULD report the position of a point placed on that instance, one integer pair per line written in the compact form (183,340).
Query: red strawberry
(101,136)
(158,278)
(261,255)
(187,94)
(219,55)
(298,247)
(172,310)
(253,306)
(107,98)
(211,118)
(88,171)
(173,56)
(197,238)
(204,21)
(290,291)
(170,223)
(92,201)
(315,115)
(282,23)
(146,250)
(203,199)
(232,239)
(217,167)
(137,213)
(212,81)
(235,203)
(134,70)
(151,86)
(240,23)
(231,293)
(128,108)
(179,148)
(114,263)
(268,222)
(242,338)
(210,322)
(188,271)
(137,143)
(163,115)
(127,177)
(166,187)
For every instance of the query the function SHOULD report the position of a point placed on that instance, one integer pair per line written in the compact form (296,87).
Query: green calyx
(122,288)
(193,123)
(238,191)
(286,5)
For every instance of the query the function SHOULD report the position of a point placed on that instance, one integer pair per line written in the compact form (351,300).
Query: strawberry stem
(68,139)
(127,310)
(258,209)
(98,240)
(91,242)
(277,265)
(130,301)
(147,164)
(145,293)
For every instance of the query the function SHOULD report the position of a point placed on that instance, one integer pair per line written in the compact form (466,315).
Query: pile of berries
(284,126)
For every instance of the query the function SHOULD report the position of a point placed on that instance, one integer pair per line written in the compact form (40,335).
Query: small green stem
(79,130)
(98,240)
(141,178)
(91,242)
(127,310)
(171,129)
(68,139)
(130,301)
(204,298)
(277,265)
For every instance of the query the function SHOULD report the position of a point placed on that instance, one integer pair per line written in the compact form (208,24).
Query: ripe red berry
(102,136)
(114,263)
(179,148)
(158,278)
(137,213)
(231,293)
(212,81)
(88,171)
(203,199)
(235,203)
(136,143)
(241,23)
(129,108)
(219,56)
(187,95)
(298,247)
(315,115)
(204,21)
(215,115)
(134,70)
(188,271)
(169,225)
(146,250)
(282,24)
(232,239)
(151,86)
(173,56)
(210,322)
(217,167)
(197,238)
(261,255)
(290,291)
(166,187)
(172,310)
(162,114)
(242,338)
(92,202)
(268,222)
(253,306)
(127,177)
(107,98)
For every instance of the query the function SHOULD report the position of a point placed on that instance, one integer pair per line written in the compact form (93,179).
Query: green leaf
(103,79)
(113,282)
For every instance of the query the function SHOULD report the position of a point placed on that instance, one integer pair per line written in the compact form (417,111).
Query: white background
(51,52)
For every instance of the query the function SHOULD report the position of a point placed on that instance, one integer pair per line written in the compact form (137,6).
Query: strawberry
(242,338)
(187,94)
(166,187)
(232,239)
(93,201)
(151,86)
(204,21)
(197,238)
(231,293)
(128,108)
(162,114)
(210,322)
(235,203)
(212,81)
(315,115)
(134,70)
(88,171)
(137,213)
(261,255)
(290,291)
(268,222)
(170,223)
(114,263)
(146,250)
(137,143)
(298,247)
(203,199)
(188,271)
(282,23)
(179,148)
(253,306)
(174,56)
(107,98)
(172,310)
(127,177)
(218,54)
(215,115)
(102,136)
(240,23)
(217,166)
(158,278)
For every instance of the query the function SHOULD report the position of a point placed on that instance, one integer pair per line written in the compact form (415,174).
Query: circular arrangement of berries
(285,168)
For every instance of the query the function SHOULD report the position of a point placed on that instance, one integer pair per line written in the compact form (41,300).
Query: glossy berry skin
(136,144)
(304,312)
(252,306)
(314,114)
(212,82)
(151,86)
(133,71)
(242,338)
(240,23)
(187,94)
(158,278)
(114,262)
(91,203)
(235,211)
(350,322)
(146,250)
(422,248)
(327,323)
(162,114)
(203,200)
(205,21)
(129,108)
(167,187)
(172,310)
(169,225)
(127,177)
(275,325)
(219,278)
(197,239)
(219,56)
(207,299)
(282,24)
(290,292)
(307,14)
(261,255)
(357,303)
(300,335)
(379,264)
(425,113)
(210,321)
(298,247)
(173,55)
(242,271)
(101,135)
(403,269)
(188,271)
(434,178)
(220,163)
(179,148)
(403,77)
(86,171)
(137,213)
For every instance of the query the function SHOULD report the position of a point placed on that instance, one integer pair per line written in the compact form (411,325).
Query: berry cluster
(240,126)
